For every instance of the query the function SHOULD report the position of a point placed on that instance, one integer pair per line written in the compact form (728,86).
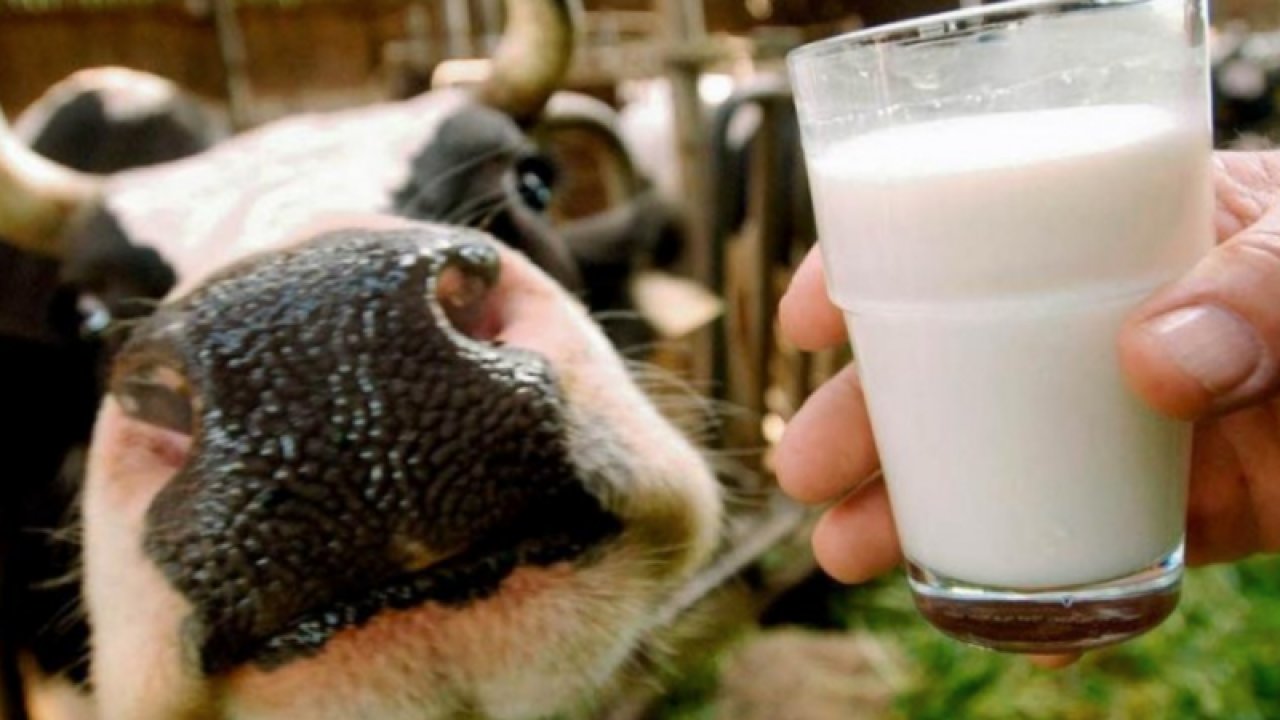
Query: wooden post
(457,24)
(417,32)
(490,25)
(685,31)
(235,63)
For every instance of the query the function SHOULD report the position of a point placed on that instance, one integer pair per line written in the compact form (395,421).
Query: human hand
(1205,348)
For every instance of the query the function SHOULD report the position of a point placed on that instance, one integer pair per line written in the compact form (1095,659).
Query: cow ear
(673,305)
(37,197)
(572,115)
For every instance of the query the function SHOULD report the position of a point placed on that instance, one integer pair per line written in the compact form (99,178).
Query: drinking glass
(996,189)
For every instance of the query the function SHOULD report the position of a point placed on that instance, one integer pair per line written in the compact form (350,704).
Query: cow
(628,242)
(368,457)
(99,121)
(107,119)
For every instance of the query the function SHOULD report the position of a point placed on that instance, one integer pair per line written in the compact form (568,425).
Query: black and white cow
(107,119)
(364,460)
(101,121)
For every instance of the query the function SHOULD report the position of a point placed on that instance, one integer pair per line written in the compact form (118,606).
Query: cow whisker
(742,488)
(648,371)
(468,165)
(66,617)
(489,218)
(701,419)
(616,315)
(66,579)
(671,391)
(676,347)
(145,302)
(121,326)
(56,534)
(468,212)
(482,215)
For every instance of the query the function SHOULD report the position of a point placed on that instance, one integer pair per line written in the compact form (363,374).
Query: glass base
(1053,620)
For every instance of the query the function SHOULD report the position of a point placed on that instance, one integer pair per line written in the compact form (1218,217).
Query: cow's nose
(358,444)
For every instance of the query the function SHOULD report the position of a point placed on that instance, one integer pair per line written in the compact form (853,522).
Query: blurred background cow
(660,172)
(101,121)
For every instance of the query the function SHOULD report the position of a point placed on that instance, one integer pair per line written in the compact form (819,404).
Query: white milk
(985,265)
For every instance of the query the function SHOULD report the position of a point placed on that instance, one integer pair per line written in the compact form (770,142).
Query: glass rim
(949,24)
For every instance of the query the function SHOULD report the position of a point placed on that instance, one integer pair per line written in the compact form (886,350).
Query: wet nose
(358,444)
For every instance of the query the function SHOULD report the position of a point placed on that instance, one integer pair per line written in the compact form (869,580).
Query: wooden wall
(37,49)
(334,47)
(314,48)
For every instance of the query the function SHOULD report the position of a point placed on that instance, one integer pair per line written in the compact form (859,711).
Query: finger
(827,449)
(856,541)
(1223,507)
(1245,187)
(809,320)
(1054,662)
(1209,342)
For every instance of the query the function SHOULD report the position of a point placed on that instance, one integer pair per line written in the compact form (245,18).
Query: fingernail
(1210,344)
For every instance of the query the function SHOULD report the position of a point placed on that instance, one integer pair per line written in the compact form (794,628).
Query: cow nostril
(155,394)
(463,292)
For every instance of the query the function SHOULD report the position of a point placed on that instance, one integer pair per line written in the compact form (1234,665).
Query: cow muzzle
(361,439)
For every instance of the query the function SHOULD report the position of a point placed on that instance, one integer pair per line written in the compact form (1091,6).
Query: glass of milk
(996,188)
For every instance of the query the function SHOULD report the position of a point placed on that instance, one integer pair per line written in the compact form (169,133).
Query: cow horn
(532,58)
(37,196)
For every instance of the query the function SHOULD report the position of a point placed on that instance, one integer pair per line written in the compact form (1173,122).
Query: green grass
(1218,656)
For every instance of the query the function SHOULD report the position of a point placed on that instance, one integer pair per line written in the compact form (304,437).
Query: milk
(985,265)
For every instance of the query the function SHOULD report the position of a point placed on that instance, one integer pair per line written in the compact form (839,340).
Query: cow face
(364,460)
(378,473)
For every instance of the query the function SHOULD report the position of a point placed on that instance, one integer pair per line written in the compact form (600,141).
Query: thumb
(1209,342)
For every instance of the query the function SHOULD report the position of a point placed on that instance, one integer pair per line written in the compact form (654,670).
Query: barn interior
(677,118)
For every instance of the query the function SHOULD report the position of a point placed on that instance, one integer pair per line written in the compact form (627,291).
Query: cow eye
(535,177)
(157,395)
(95,315)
